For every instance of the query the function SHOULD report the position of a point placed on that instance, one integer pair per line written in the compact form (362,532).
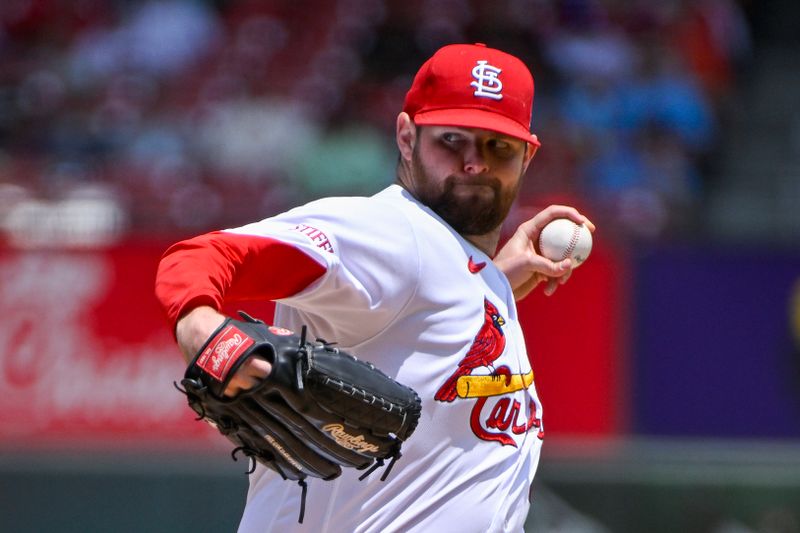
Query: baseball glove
(319,409)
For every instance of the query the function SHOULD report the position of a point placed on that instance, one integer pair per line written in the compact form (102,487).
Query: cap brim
(476,118)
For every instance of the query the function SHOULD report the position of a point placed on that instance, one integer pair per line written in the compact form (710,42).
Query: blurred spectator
(255,136)
(662,92)
(714,38)
(351,159)
(588,46)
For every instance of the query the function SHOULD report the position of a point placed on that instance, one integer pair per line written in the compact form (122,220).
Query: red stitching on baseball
(573,242)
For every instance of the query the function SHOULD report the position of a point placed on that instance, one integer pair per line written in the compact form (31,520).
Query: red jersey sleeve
(220,267)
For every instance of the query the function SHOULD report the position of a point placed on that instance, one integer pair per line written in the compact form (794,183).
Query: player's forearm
(195,327)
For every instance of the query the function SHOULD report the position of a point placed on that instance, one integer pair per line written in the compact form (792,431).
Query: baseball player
(410,280)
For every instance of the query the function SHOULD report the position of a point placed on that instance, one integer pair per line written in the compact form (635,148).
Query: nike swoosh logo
(475,267)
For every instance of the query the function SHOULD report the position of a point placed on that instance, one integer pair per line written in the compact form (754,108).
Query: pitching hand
(521,262)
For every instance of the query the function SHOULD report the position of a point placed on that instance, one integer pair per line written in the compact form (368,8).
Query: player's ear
(530,151)
(406,135)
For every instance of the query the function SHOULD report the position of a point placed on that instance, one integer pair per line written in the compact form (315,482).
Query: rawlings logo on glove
(223,351)
(346,440)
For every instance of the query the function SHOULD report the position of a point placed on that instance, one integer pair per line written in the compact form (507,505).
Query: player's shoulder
(383,213)
(385,204)
(375,222)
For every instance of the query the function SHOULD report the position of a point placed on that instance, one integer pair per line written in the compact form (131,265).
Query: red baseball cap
(473,86)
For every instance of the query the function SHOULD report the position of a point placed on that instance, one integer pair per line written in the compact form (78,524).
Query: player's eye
(452,138)
(501,147)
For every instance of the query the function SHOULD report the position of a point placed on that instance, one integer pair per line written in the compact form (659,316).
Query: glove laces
(304,487)
(379,463)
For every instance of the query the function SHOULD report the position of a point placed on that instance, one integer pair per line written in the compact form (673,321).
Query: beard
(470,205)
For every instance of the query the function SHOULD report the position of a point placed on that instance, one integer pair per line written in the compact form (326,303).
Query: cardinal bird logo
(487,346)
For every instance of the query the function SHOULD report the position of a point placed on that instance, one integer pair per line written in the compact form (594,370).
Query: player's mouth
(474,184)
(488,181)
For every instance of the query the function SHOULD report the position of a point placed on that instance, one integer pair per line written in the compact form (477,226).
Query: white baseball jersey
(403,290)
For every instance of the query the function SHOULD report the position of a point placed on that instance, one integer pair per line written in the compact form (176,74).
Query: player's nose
(474,160)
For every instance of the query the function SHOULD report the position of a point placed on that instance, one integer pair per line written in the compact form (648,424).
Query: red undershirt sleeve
(220,267)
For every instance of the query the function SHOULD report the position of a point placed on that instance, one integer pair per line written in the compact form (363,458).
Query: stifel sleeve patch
(223,351)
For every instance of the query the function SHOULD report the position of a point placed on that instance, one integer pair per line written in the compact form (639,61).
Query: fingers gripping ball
(564,239)
(320,408)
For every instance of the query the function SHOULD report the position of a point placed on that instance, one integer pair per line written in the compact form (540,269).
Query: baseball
(563,238)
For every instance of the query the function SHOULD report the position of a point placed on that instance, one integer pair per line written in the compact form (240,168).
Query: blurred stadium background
(127,125)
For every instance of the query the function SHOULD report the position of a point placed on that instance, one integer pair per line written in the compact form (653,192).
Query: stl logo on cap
(486,81)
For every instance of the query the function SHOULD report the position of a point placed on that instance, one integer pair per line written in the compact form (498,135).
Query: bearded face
(471,203)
